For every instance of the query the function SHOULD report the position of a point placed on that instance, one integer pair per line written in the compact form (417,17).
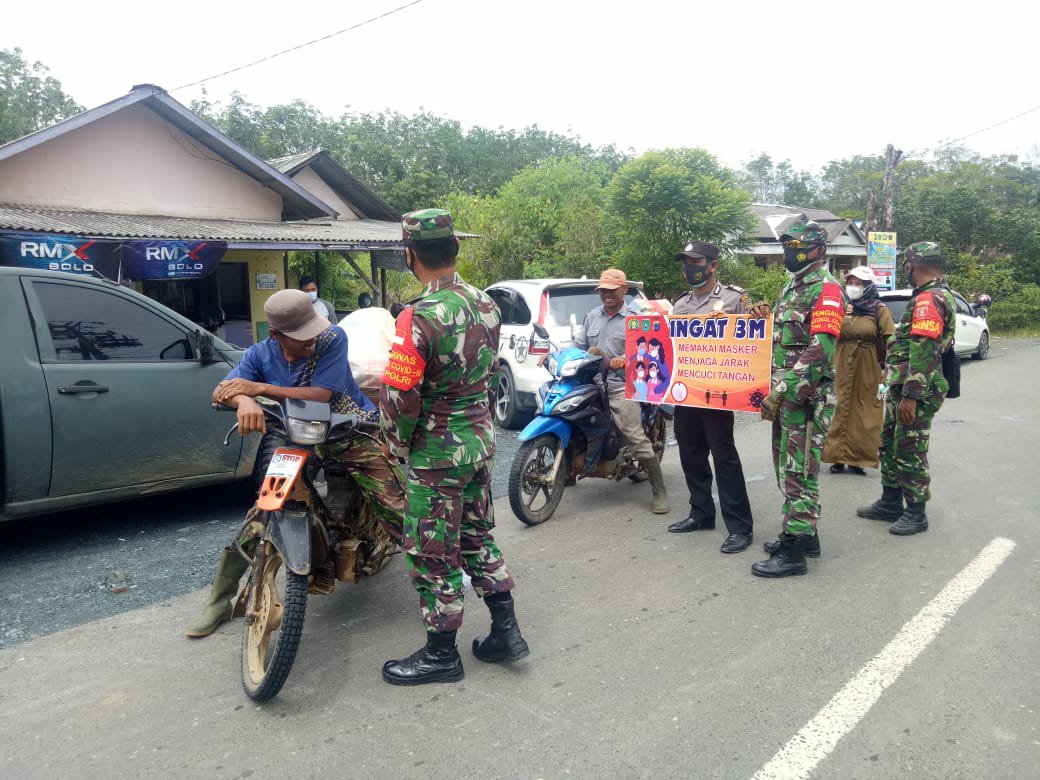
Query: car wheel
(983,351)
(504,406)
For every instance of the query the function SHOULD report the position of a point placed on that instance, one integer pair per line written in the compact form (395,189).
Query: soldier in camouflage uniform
(435,414)
(801,403)
(916,390)
(304,358)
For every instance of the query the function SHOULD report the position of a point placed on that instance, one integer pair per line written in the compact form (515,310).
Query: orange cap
(612,279)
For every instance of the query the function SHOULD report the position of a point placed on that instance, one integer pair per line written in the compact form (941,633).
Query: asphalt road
(652,655)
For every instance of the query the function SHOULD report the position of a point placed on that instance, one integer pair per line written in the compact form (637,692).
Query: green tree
(663,199)
(30,100)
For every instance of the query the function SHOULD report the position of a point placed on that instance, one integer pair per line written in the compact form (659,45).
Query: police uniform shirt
(725,298)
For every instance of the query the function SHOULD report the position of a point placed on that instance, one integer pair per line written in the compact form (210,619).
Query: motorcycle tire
(528,465)
(270,642)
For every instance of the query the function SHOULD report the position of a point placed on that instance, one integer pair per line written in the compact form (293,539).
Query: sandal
(837,468)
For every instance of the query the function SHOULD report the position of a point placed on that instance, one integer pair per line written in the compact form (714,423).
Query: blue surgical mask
(313,295)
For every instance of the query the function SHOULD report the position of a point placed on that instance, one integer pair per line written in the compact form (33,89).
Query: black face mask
(797,260)
(697,275)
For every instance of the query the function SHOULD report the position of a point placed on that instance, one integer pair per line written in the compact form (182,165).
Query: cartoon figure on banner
(656,386)
(657,355)
(640,381)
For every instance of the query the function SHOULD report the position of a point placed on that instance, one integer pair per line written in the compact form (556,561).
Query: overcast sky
(799,81)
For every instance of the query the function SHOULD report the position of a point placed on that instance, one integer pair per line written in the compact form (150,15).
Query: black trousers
(698,432)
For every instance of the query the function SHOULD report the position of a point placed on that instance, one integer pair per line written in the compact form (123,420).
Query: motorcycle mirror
(574,326)
(540,331)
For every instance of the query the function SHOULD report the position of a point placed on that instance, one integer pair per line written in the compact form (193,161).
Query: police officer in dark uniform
(700,431)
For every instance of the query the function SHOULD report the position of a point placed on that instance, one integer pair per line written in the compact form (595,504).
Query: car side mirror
(204,347)
(540,331)
(574,326)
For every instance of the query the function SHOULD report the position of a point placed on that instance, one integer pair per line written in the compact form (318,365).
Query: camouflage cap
(808,231)
(926,252)
(427,225)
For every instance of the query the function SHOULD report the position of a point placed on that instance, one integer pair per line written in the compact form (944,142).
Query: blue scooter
(573,435)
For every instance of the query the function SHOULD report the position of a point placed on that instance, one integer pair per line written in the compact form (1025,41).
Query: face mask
(797,260)
(642,349)
(640,373)
(697,275)
(853,292)
(313,295)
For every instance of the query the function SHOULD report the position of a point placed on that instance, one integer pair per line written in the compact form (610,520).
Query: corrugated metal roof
(97,224)
(772,220)
(343,182)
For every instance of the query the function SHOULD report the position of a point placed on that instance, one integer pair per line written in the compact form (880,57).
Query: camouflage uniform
(435,413)
(805,331)
(914,370)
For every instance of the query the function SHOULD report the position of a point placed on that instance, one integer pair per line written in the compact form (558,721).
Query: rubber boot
(811,545)
(789,559)
(436,661)
(659,505)
(504,643)
(225,586)
(889,507)
(912,521)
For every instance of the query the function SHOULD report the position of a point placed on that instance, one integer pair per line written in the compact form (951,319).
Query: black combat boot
(504,643)
(788,560)
(912,521)
(436,661)
(889,507)
(811,545)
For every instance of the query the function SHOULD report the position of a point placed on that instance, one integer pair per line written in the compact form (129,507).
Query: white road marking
(806,749)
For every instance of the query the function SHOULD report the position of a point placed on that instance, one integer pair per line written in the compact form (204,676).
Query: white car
(971,335)
(558,305)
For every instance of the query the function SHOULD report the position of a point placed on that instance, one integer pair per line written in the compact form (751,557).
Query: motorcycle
(573,435)
(309,535)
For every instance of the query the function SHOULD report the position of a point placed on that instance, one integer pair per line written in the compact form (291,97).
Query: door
(969,329)
(129,402)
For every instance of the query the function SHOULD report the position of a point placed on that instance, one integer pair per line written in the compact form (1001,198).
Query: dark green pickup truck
(105,395)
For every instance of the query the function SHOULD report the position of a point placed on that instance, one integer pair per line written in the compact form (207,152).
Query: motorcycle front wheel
(533,499)
(270,641)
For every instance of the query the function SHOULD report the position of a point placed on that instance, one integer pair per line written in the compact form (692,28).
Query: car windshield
(579,301)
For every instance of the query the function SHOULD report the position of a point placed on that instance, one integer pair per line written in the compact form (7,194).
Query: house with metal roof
(144,192)
(846,241)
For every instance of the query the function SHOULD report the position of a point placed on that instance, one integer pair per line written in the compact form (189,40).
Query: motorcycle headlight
(569,404)
(570,368)
(308,431)
(552,364)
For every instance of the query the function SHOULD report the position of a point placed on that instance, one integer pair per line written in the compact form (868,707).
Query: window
(504,300)
(962,305)
(88,324)
(579,301)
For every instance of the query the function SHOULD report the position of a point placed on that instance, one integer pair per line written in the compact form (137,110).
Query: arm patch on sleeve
(406,366)
(828,311)
(927,321)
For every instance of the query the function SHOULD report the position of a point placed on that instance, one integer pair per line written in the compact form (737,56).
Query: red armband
(406,366)
(828,312)
(927,321)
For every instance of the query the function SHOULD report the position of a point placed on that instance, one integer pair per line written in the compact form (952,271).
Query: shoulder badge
(927,321)
(828,311)
(406,366)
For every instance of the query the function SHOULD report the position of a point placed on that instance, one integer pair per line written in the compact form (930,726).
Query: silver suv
(558,305)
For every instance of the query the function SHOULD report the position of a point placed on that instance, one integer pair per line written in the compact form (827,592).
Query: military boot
(788,560)
(225,585)
(659,505)
(912,521)
(436,661)
(504,643)
(889,507)
(811,545)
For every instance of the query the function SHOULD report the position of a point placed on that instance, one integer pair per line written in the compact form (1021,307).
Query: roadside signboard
(881,257)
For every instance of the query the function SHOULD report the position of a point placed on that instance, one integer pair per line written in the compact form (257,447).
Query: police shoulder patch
(406,366)
(828,310)
(926,320)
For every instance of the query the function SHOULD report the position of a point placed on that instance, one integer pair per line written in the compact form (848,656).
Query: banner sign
(145,259)
(708,362)
(171,259)
(51,252)
(881,257)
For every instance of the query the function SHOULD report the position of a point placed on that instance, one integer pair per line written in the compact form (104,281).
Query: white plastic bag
(369,333)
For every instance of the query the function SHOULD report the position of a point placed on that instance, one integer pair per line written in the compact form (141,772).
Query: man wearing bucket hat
(916,391)
(306,358)
(801,402)
(435,414)
(698,431)
(603,333)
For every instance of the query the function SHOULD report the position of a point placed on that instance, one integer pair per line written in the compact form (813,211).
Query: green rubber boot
(225,586)
(659,506)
